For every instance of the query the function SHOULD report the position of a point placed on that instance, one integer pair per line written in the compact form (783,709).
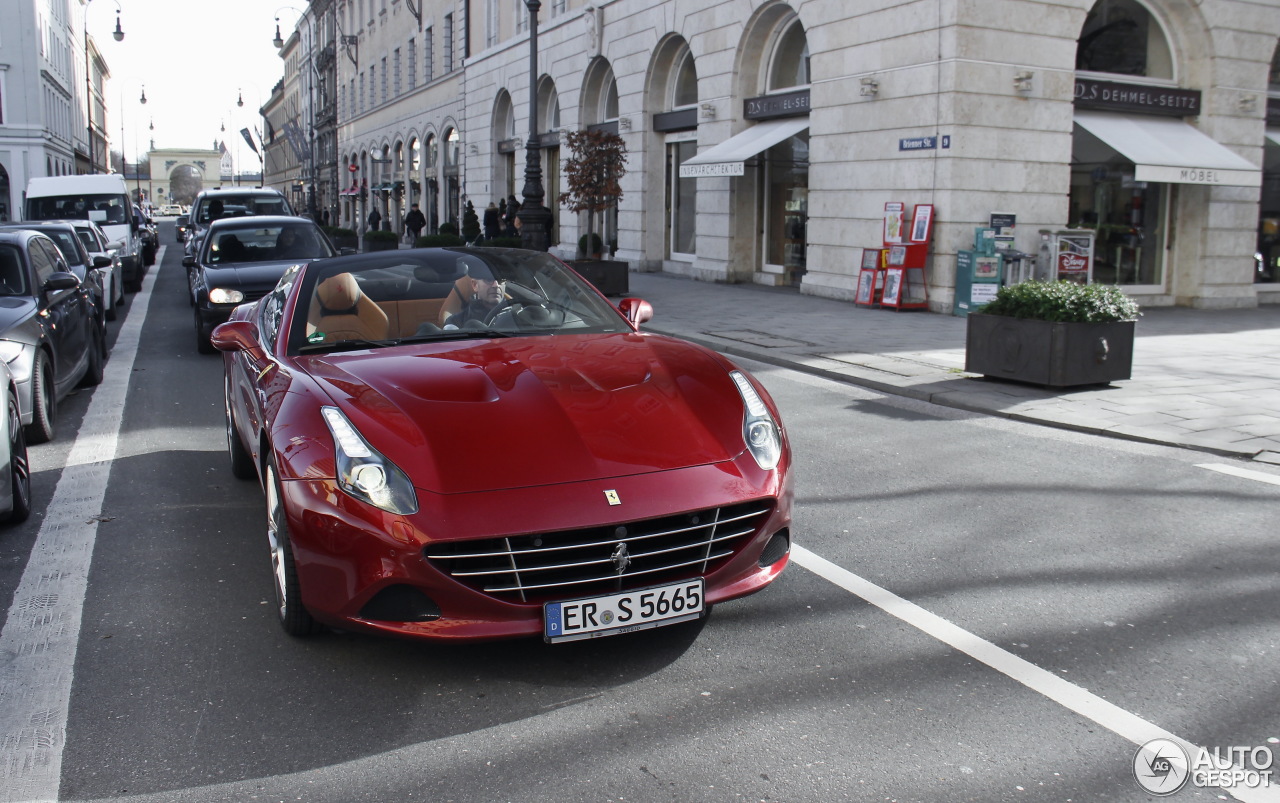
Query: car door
(66,313)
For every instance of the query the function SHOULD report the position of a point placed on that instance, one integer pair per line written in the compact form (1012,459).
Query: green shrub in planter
(441,240)
(336,232)
(592,247)
(1063,301)
(448,228)
(1057,334)
(381,241)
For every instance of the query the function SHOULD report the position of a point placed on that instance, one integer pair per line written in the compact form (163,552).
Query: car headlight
(19,356)
(365,474)
(759,430)
(220,295)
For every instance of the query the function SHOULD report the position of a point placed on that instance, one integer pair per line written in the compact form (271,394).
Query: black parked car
(50,335)
(211,205)
(241,259)
(93,271)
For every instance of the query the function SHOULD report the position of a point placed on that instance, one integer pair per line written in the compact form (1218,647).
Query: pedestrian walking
(492,222)
(375,217)
(413,223)
(513,209)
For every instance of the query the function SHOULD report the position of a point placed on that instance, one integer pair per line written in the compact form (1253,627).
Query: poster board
(892,287)
(895,213)
(866,287)
(922,223)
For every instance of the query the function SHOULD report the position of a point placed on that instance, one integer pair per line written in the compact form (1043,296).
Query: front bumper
(351,558)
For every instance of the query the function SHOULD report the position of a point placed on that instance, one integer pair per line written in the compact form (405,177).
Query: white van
(105,200)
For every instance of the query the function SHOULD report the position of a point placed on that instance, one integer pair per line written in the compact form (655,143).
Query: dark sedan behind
(241,259)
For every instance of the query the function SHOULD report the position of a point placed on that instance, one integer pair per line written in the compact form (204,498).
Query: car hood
(261,275)
(14,310)
(531,411)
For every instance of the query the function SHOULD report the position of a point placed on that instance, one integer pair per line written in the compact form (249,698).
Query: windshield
(241,206)
(67,243)
(108,209)
(13,281)
(443,294)
(300,241)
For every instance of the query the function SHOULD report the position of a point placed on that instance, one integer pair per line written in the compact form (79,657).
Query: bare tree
(593,174)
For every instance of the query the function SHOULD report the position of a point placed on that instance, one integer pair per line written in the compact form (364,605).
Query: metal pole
(535,219)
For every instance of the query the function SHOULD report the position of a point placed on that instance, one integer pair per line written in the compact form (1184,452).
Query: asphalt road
(978,610)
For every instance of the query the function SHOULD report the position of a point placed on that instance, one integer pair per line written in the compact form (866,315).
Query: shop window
(681,202)
(1122,37)
(1129,218)
(790,66)
(685,87)
(786,206)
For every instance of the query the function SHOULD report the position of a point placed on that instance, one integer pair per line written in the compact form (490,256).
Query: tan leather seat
(456,298)
(339,311)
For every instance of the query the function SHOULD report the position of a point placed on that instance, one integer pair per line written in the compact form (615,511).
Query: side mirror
(61,281)
(238,336)
(102,262)
(188,262)
(115,245)
(346,252)
(636,310)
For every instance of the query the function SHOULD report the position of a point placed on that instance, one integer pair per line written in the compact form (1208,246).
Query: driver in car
(487,298)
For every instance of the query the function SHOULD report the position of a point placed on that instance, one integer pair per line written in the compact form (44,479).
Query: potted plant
(470,223)
(438,241)
(381,241)
(1057,334)
(593,175)
(342,238)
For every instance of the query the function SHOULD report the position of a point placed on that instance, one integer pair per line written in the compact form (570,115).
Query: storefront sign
(713,169)
(787,104)
(1197,175)
(918,144)
(1111,96)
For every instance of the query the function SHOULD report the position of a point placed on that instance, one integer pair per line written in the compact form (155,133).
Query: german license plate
(593,617)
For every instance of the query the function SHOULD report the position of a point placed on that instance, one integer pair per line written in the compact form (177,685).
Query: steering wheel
(493,314)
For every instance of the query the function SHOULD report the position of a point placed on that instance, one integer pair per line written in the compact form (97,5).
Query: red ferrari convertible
(472,443)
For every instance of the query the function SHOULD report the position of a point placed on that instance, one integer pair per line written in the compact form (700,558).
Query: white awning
(1169,150)
(727,158)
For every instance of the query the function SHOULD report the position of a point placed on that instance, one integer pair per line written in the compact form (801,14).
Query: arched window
(684,86)
(790,65)
(1122,37)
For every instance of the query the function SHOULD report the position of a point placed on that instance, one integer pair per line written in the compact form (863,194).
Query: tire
(44,404)
(19,466)
(203,344)
(294,618)
(111,313)
(97,361)
(242,467)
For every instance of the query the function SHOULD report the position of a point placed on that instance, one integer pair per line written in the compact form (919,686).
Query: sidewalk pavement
(1202,379)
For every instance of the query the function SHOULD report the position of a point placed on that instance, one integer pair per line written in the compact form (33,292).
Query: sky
(195,58)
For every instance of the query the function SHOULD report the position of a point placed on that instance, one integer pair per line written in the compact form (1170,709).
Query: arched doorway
(185,182)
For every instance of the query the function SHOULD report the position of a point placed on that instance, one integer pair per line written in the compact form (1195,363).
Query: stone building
(765,138)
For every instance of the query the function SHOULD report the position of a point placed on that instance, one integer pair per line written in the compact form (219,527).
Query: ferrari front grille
(558,565)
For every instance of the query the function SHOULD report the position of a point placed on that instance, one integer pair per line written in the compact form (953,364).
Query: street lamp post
(88,84)
(124,163)
(535,219)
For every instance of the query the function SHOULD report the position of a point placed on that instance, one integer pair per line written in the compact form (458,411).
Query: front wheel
(203,332)
(44,404)
(19,466)
(242,467)
(97,357)
(294,618)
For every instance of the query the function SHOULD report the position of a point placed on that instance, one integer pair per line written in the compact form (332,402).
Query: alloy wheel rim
(19,466)
(276,543)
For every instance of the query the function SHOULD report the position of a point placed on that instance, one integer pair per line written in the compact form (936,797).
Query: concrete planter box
(381,244)
(610,277)
(1049,353)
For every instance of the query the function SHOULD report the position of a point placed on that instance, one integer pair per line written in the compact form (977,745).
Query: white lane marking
(1236,471)
(39,640)
(1069,695)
